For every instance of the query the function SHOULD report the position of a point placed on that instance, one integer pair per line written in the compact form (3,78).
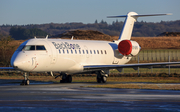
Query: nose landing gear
(26,79)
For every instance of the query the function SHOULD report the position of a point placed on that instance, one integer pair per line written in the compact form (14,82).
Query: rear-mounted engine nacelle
(128,47)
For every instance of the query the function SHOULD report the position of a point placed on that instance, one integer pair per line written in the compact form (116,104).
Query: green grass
(157,82)
(93,79)
(148,71)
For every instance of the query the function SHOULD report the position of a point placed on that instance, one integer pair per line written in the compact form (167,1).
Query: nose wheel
(26,79)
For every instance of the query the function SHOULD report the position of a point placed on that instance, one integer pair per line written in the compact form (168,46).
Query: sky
(23,12)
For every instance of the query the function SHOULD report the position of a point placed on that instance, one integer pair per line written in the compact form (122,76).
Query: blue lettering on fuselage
(66,45)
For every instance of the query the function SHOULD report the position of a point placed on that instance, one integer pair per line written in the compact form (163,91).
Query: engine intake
(128,47)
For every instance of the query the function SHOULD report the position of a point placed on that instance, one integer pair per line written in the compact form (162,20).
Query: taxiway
(77,97)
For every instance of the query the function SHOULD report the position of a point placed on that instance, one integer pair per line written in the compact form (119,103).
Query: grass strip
(123,85)
(93,79)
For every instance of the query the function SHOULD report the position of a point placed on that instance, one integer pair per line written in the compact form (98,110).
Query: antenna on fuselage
(47,37)
(72,37)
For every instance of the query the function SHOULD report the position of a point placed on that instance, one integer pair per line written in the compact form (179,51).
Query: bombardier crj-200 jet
(69,57)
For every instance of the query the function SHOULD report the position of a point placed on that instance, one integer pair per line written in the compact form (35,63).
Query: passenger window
(101,52)
(71,51)
(67,52)
(87,51)
(83,52)
(75,51)
(105,52)
(59,51)
(79,51)
(94,52)
(90,52)
(63,51)
(97,51)
(40,47)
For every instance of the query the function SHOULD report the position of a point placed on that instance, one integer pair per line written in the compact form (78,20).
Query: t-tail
(127,29)
(126,46)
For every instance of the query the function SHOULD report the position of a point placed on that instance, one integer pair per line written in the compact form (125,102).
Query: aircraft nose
(20,64)
(14,60)
(18,61)
(15,64)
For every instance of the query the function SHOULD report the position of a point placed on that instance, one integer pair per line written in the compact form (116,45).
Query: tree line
(141,29)
(19,33)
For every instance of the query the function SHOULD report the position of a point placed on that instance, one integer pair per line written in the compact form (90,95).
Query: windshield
(40,47)
(29,47)
(33,47)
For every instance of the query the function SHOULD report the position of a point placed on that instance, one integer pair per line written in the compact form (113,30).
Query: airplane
(69,56)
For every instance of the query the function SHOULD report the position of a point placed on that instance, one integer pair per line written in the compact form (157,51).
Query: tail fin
(131,17)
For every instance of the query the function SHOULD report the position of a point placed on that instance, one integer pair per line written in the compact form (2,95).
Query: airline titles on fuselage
(66,45)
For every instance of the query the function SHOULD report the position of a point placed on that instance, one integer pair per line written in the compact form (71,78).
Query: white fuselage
(68,56)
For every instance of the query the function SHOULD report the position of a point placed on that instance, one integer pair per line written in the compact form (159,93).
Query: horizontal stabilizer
(139,15)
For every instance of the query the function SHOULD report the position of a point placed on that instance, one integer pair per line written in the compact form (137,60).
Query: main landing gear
(66,78)
(26,79)
(101,77)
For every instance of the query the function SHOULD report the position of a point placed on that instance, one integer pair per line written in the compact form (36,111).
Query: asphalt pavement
(47,97)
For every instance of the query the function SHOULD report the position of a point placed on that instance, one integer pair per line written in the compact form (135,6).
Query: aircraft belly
(123,60)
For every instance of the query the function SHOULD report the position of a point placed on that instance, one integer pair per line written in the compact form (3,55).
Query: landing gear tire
(25,82)
(103,79)
(66,79)
(69,79)
(62,81)
(26,79)
(98,79)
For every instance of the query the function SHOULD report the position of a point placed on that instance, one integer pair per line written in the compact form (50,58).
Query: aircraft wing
(141,65)
(7,68)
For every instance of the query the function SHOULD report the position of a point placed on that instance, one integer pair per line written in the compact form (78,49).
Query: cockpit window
(33,47)
(40,47)
(29,47)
